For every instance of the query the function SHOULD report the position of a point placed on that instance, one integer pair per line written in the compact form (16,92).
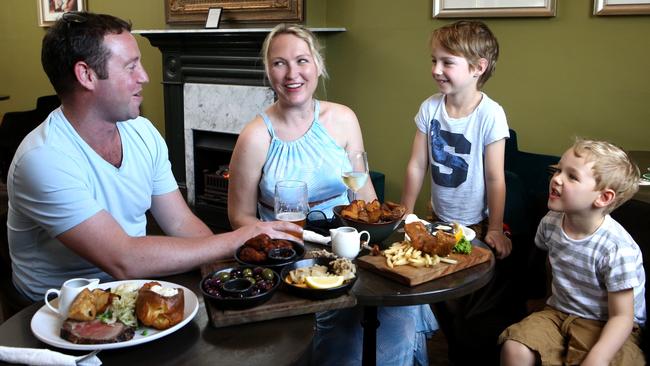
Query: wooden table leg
(370,323)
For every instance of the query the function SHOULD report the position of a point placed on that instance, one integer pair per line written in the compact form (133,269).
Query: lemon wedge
(458,232)
(324,282)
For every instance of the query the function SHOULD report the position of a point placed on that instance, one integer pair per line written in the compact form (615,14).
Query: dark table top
(372,289)
(277,342)
(281,341)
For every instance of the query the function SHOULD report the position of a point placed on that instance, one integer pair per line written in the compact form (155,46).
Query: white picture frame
(493,8)
(51,10)
(621,7)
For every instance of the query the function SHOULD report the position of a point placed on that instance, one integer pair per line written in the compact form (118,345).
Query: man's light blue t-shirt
(56,181)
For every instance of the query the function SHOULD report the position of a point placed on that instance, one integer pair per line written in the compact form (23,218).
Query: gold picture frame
(621,7)
(51,10)
(234,11)
(493,8)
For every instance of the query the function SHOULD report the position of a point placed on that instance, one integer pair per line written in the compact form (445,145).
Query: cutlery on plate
(85,357)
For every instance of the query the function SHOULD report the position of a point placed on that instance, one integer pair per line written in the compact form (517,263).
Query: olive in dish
(239,287)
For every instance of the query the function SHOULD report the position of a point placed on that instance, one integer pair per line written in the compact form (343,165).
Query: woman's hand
(274,229)
(500,242)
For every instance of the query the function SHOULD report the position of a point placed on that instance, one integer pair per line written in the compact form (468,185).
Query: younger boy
(598,288)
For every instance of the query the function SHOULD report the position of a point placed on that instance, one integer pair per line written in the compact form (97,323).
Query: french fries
(402,253)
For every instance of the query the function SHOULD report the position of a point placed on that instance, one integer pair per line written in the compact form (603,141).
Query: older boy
(598,289)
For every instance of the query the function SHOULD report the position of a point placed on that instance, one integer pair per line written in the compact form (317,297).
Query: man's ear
(605,198)
(85,75)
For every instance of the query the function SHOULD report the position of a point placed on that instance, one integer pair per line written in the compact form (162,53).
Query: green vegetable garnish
(463,246)
(105,316)
(145,332)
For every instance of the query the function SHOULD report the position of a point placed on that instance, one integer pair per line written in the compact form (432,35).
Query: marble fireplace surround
(218,108)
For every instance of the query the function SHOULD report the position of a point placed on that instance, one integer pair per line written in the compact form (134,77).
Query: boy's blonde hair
(472,40)
(302,33)
(612,169)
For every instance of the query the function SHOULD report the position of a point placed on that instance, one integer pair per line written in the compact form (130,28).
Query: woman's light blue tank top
(314,158)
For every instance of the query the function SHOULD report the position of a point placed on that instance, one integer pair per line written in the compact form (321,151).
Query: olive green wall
(573,74)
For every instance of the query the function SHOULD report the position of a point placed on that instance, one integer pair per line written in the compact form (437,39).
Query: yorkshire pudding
(155,310)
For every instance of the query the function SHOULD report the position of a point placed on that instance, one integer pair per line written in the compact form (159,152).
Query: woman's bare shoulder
(255,130)
(331,112)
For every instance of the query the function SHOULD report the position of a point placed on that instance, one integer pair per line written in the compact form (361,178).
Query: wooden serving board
(412,276)
(281,305)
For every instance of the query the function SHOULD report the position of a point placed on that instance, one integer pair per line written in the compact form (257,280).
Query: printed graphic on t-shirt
(442,145)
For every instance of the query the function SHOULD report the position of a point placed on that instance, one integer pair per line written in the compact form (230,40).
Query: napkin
(413,218)
(43,357)
(308,235)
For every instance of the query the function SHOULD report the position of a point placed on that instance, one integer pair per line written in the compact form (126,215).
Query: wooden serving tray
(281,305)
(412,276)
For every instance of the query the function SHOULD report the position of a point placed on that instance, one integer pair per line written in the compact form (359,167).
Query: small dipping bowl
(237,287)
(444,226)
(281,254)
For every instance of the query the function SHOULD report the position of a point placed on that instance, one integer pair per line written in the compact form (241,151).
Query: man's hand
(500,242)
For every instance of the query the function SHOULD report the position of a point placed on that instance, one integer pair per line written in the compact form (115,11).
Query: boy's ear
(605,198)
(480,67)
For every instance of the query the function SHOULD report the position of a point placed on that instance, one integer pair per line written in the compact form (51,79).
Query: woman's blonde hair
(612,168)
(302,33)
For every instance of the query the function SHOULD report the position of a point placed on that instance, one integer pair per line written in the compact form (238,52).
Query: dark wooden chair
(16,125)
(10,299)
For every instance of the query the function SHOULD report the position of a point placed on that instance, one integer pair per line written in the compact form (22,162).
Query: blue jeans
(401,336)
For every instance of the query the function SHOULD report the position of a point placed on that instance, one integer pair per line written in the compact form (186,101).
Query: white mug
(69,291)
(346,241)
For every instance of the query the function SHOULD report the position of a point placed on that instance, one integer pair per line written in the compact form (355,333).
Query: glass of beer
(292,203)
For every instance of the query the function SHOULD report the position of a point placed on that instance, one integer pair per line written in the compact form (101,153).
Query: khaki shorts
(563,339)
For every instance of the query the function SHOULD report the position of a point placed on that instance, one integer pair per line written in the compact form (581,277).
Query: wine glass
(291,203)
(355,171)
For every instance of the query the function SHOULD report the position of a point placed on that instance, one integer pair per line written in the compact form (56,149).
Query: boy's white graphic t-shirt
(456,148)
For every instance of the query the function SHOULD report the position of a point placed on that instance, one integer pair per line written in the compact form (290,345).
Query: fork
(85,357)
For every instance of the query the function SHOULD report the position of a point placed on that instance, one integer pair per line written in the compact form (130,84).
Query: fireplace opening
(212,153)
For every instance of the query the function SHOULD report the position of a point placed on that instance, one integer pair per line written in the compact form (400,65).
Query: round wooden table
(274,342)
(373,290)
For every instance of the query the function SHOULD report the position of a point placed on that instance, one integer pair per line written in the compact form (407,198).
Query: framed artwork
(234,11)
(493,8)
(51,10)
(621,7)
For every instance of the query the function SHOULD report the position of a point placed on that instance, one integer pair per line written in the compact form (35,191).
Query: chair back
(11,301)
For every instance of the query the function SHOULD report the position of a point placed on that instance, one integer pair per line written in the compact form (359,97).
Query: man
(81,182)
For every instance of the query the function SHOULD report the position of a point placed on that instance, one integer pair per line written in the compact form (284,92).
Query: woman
(299,137)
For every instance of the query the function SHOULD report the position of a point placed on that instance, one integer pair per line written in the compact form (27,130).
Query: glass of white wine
(291,203)
(354,172)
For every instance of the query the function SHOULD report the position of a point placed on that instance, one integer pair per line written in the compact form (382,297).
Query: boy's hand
(500,242)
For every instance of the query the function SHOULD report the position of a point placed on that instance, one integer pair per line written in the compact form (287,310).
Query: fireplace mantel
(210,56)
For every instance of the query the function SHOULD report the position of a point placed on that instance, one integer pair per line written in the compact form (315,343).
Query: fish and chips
(422,249)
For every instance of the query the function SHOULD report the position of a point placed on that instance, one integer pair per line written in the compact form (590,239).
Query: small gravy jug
(67,294)
(346,241)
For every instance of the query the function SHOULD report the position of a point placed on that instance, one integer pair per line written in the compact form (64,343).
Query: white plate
(469,233)
(46,324)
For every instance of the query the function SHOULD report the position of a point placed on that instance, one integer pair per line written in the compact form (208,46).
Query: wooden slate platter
(281,305)
(412,276)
